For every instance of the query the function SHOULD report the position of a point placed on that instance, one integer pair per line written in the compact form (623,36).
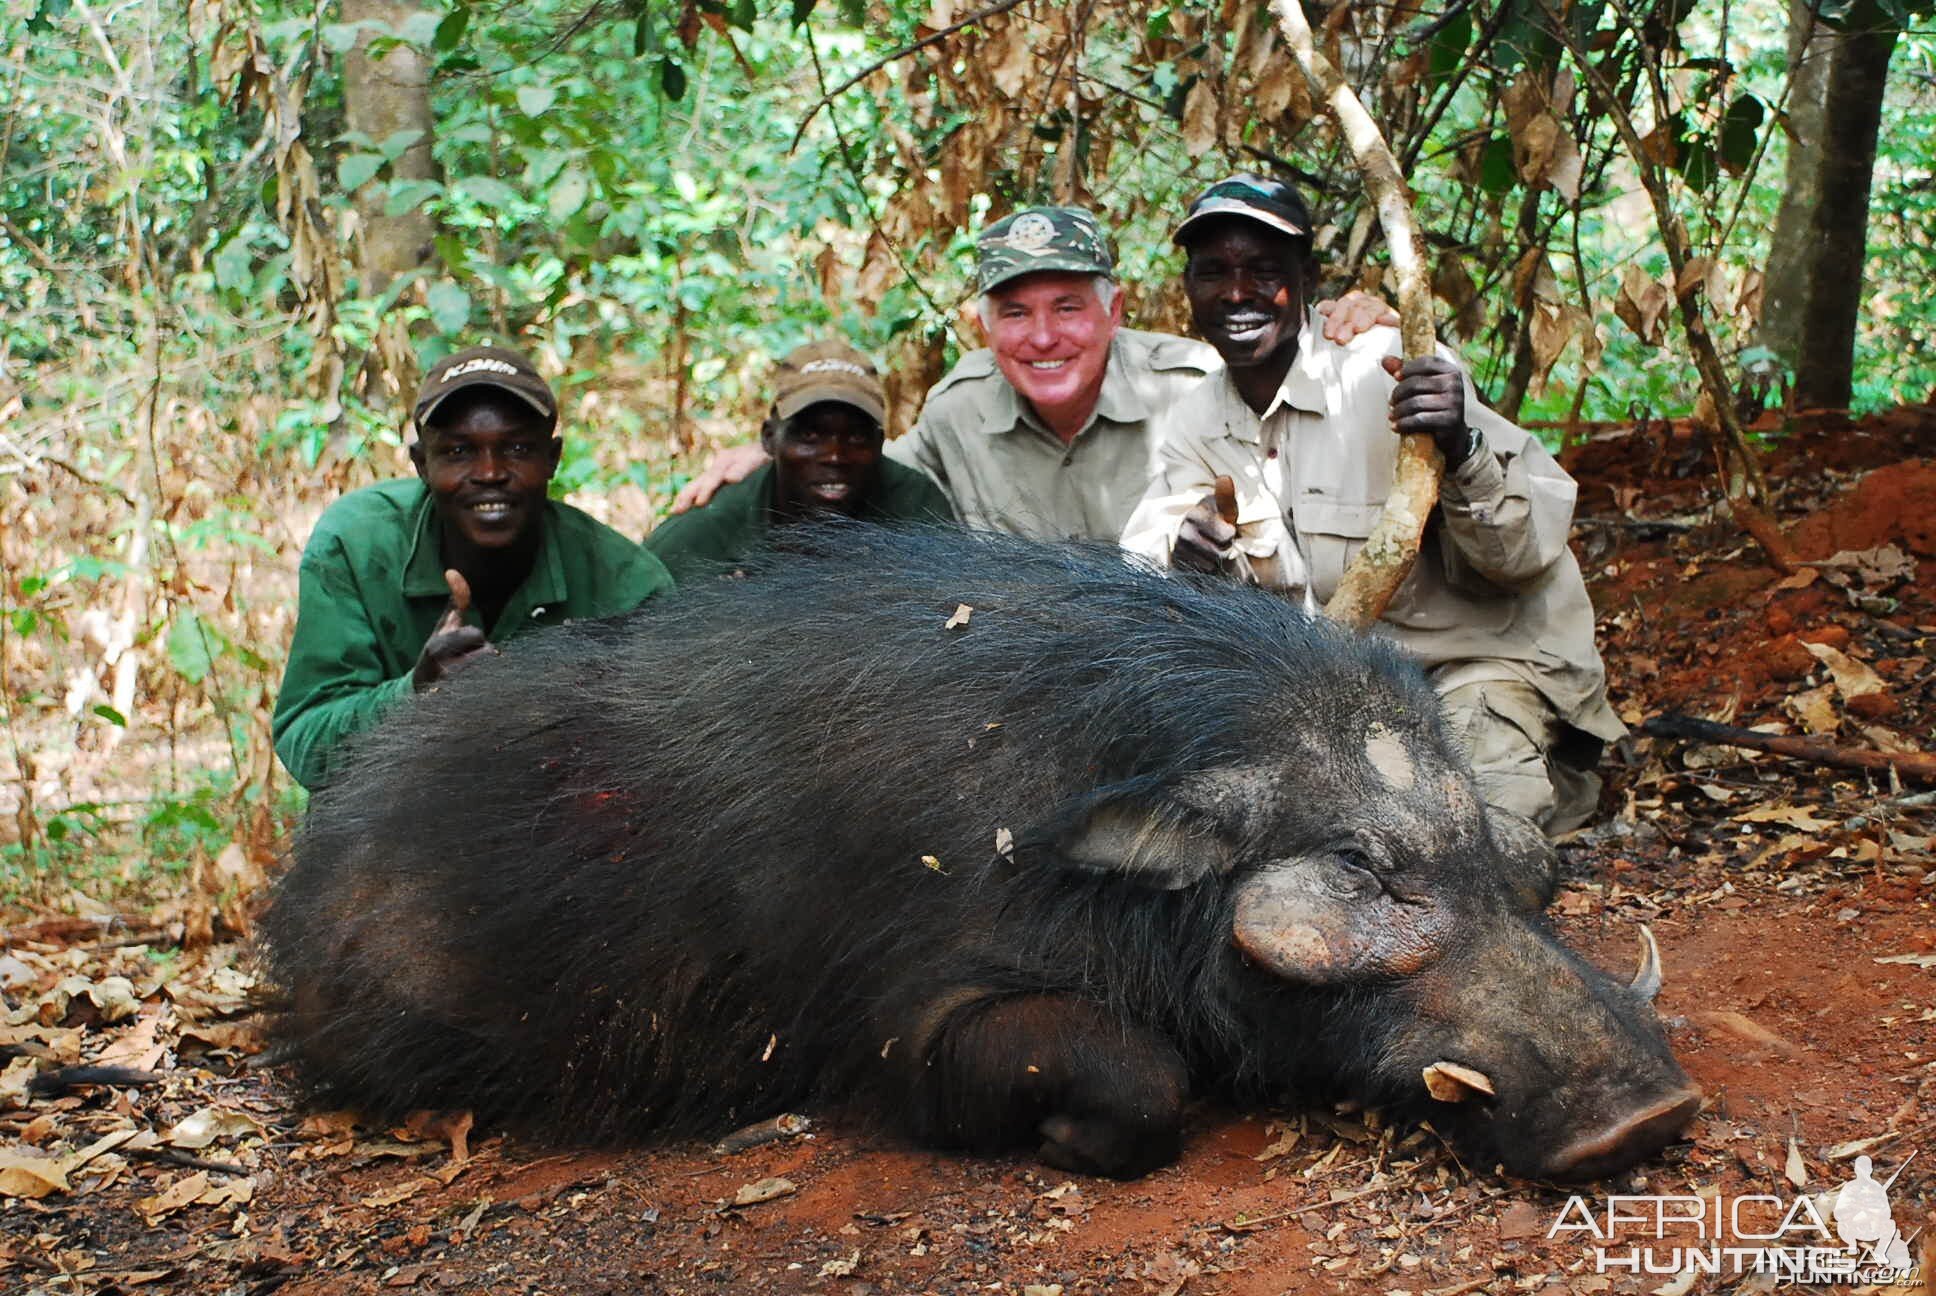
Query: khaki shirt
(1003,470)
(1495,594)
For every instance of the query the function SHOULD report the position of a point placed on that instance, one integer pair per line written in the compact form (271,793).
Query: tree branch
(932,38)
(1388,553)
(1921,765)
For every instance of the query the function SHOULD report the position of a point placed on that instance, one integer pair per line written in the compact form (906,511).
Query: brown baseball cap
(485,366)
(828,371)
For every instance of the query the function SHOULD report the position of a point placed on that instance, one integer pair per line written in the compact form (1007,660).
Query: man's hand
(1354,313)
(1430,400)
(1205,535)
(452,645)
(733,464)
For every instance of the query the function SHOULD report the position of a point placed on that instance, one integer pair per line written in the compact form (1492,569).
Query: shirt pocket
(1333,531)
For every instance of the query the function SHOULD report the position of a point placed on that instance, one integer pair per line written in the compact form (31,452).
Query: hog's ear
(1323,920)
(1140,838)
(1528,864)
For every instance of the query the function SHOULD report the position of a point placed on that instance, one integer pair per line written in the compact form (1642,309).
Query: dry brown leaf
(1200,118)
(24,1174)
(391,1196)
(960,617)
(1815,709)
(1793,1169)
(1642,304)
(209,1124)
(177,1195)
(1888,740)
(1852,677)
(1743,1027)
(1792,816)
(1521,1220)
(764,1190)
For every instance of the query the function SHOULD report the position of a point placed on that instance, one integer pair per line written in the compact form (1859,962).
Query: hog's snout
(1625,1139)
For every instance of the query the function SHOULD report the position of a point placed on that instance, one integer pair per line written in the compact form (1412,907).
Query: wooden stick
(1388,553)
(1919,765)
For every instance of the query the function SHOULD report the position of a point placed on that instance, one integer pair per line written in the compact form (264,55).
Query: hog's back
(676,869)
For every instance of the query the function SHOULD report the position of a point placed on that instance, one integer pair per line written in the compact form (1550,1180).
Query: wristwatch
(1475,441)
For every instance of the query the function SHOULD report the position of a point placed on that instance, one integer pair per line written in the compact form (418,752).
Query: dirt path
(1795,908)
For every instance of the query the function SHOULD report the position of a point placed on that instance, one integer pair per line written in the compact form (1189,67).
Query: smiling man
(404,582)
(1495,608)
(823,435)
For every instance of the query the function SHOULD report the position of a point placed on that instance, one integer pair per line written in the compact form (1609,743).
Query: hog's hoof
(1631,1138)
(1094,1145)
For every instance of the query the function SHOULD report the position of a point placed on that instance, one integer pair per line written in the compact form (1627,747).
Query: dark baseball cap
(1253,197)
(1069,239)
(828,371)
(485,366)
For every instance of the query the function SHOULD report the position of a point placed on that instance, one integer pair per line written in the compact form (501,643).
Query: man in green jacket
(405,582)
(824,435)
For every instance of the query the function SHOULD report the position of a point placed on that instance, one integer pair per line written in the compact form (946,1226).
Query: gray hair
(1104,286)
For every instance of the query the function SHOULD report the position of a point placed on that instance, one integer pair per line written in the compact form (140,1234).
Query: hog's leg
(1101,1097)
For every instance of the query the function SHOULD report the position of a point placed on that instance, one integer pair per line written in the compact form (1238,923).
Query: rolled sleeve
(1508,508)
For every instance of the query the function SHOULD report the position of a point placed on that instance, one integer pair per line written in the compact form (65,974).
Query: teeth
(1047,364)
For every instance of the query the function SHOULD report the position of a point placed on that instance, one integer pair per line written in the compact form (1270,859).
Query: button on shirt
(1004,470)
(1495,593)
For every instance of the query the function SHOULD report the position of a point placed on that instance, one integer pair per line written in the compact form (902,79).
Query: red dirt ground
(1795,907)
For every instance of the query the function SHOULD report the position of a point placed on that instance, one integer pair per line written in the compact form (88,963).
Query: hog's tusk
(1646,981)
(1450,1082)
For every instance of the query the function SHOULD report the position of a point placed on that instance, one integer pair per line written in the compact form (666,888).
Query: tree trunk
(1811,311)
(1792,250)
(382,96)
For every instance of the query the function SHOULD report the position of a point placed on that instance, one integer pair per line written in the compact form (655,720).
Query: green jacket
(372,588)
(704,540)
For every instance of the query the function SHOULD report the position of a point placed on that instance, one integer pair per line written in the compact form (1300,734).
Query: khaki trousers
(1510,732)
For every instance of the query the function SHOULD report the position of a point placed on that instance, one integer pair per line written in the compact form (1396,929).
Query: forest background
(232,237)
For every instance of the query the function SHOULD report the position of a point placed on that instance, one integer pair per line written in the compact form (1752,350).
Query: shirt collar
(1120,401)
(1302,388)
(423,573)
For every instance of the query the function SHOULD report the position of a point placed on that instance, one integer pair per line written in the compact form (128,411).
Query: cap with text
(1067,239)
(486,366)
(828,371)
(1251,197)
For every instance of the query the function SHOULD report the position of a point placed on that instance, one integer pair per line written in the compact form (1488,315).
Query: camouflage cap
(1042,238)
(1267,201)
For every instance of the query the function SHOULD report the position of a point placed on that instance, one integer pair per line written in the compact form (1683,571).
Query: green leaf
(568,195)
(397,143)
(534,100)
(450,307)
(408,195)
(488,190)
(193,645)
(1496,174)
(1448,47)
(355,170)
(642,32)
(340,38)
(420,28)
(1740,129)
(451,29)
(741,13)
(672,79)
(802,10)
(112,716)
(233,262)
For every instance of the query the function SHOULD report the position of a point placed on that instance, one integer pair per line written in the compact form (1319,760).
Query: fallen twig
(1919,765)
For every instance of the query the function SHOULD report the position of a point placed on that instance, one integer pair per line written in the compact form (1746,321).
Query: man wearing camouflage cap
(1047,432)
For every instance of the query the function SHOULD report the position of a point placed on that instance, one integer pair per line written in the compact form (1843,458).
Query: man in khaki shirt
(1495,608)
(1047,432)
